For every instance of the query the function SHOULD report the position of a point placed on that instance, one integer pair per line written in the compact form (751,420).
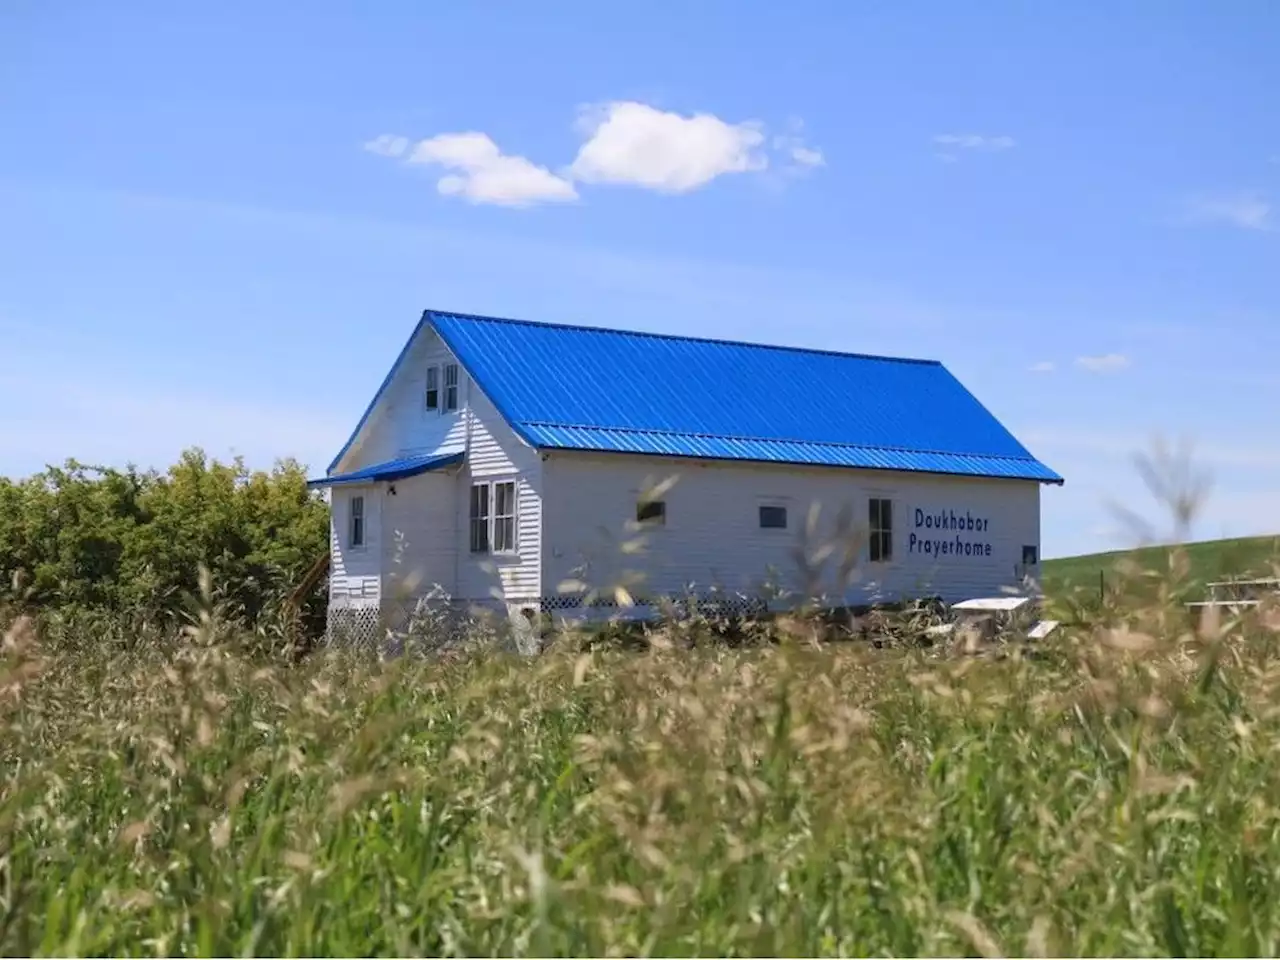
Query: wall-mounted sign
(933,531)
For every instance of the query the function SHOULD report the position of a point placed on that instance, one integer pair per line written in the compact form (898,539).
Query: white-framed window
(450,387)
(492,517)
(504,517)
(432,393)
(772,516)
(880,522)
(355,530)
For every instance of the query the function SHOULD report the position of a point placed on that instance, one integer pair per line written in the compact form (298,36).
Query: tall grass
(1116,794)
(1111,792)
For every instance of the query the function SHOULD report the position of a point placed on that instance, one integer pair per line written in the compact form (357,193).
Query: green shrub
(78,537)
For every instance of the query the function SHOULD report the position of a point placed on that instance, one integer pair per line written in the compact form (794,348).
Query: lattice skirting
(710,605)
(353,626)
(437,622)
(427,623)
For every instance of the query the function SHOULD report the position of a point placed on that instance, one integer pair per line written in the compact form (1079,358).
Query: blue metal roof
(586,388)
(594,389)
(391,470)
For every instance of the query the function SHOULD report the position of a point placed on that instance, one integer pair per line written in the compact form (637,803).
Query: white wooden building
(501,458)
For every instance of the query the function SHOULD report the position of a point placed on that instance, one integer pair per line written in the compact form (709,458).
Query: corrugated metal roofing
(391,470)
(586,388)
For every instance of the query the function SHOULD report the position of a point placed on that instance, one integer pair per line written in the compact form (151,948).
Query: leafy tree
(116,540)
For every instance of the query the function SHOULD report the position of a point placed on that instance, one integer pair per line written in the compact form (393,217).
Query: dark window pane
(480,518)
(653,511)
(773,518)
(433,388)
(505,495)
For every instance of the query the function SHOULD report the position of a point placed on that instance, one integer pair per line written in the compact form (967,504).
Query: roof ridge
(585,328)
(817,443)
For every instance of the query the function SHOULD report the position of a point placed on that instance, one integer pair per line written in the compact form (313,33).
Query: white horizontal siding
(428,531)
(712,535)
(494,452)
(418,536)
(354,572)
(401,425)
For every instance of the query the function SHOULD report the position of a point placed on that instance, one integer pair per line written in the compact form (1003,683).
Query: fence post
(1102,586)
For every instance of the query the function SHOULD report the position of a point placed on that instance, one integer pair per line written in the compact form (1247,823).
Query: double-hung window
(493,517)
(450,387)
(433,388)
(880,547)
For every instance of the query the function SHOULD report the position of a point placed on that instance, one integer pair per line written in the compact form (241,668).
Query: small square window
(652,513)
(433,388)
(1030,555)
(450,386)
(773,517)
(356,536)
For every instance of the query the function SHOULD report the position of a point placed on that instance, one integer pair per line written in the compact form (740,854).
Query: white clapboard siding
(401,425)
(422,532)
(419,527)
(712,535)
(494,452)
(355,573)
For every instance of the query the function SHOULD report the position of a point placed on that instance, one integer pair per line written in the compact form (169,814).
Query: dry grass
(1114,792)
(1116,795)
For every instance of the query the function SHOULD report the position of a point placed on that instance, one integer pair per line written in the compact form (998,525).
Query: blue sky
(218,222)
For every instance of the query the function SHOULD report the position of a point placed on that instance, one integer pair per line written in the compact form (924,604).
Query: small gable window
(450,386)
(433,388)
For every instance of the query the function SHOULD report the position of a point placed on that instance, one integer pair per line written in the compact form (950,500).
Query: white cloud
(623,143)
(1104,363)
(636,144)
(802,157)
(388,145)
(1248,211)
(484,174)
(973,141)
(808,156)
(1044,366)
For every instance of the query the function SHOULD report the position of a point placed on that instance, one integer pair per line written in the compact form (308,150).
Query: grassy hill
(1210,560)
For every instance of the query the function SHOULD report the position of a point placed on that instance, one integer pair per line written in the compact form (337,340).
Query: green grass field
(1116,794)
(1208,561)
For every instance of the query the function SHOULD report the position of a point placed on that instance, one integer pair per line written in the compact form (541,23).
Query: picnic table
(1238,594)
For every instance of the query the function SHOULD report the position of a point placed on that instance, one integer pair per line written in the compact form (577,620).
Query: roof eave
(427,465)
(1054,480)
(382,389)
